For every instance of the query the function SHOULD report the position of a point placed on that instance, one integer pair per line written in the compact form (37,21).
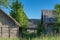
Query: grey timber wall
(8,28)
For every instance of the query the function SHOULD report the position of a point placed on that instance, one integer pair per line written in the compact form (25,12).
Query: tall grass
(55,37)
(9,38)
(50,37)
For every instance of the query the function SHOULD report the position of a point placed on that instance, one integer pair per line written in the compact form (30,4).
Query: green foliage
(40,28)
(4,3)
(18,14)
(12,13)
(57,8)
(56,12)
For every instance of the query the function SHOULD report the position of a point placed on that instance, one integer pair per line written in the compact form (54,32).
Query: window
(48,20)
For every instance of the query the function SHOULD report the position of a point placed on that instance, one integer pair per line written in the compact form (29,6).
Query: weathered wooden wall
(7,32)
(8,28)
(46,14)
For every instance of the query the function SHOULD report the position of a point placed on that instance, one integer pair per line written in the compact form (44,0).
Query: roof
(11,18)
(33,23)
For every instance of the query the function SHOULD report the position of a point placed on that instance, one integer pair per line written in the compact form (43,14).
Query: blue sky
(33,8)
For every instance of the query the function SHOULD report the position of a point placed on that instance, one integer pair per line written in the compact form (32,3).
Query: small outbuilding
(9,27)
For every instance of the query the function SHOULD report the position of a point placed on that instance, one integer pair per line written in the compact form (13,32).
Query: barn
(9,27)
(48,20)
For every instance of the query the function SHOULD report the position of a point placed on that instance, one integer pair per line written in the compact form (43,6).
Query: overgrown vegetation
(56,14)
(56,37)
(51,37)
(40,28)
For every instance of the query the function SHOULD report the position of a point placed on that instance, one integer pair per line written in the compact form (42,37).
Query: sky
(33,8)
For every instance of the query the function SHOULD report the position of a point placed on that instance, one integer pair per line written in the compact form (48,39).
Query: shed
(9,27)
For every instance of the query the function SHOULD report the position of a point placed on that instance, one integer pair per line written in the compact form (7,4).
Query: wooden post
(1,31)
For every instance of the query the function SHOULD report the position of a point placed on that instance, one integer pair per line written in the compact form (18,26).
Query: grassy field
(9,38)
(56,37)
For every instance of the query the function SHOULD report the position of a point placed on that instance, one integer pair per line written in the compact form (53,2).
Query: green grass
(55,37)
(9,38)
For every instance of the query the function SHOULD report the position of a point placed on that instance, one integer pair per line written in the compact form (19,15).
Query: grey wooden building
(9,27)
(47,20)
(32,25)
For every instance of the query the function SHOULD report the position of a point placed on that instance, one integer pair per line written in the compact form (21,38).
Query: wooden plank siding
(46,21)
(8,26)
(6,32)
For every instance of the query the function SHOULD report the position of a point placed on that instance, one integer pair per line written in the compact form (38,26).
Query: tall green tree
(18,14)
(56,13)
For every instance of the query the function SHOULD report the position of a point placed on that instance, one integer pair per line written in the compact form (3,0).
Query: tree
(56,13)
(4,3)
(18,14)
(40,28)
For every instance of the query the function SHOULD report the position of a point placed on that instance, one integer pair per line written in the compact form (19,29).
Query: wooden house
(47,20)
(9,27)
